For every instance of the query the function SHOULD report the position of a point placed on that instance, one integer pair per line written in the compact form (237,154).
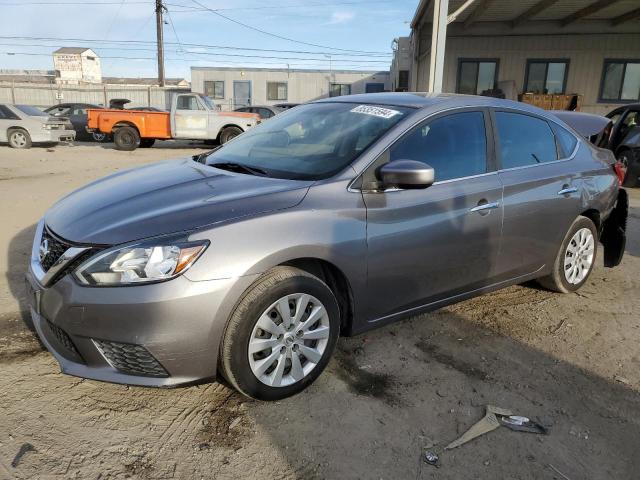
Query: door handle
(566,190)
(485,206)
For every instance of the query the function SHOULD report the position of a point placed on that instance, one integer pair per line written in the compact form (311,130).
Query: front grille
(70,350)
(55,249)
(131,359)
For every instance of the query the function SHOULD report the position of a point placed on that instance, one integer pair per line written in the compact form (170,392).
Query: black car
(624,140)
(265,111)
(77,115)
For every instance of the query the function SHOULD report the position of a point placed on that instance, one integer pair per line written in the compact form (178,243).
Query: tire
(228,133)
(126,138)
(99,137)
(562,277)
(274,362)
(147,142)
(626,158)
(19,138)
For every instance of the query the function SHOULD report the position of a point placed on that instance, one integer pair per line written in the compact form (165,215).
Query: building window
(477,76)
(620,81)
(403,81)
(338,89)
(374,87)
(277,90)
(546,76)
(214,89)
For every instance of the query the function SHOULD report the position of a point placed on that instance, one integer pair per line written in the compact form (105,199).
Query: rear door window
(455,145)
(524,140)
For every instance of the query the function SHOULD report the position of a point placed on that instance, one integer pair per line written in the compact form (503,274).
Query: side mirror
(407,174)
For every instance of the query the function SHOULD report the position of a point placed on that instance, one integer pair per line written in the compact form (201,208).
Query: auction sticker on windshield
(375,111)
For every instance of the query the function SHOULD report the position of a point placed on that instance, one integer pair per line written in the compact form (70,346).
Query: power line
(215,54)
(197,45)
(181,60)
(264,32)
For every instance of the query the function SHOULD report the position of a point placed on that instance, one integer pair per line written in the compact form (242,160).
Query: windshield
(310,142)
(208,102)
(31,111)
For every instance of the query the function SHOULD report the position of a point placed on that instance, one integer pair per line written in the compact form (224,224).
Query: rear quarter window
(566,140)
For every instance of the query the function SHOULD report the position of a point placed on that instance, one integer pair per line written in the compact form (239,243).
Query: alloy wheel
(578,257)
(19,139)
(288,340)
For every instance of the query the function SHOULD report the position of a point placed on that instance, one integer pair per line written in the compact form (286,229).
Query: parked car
(77,115)
(286,106)
(146,109)
(343,215)
(265,111)
(624,140)
(192,117)
(23,125)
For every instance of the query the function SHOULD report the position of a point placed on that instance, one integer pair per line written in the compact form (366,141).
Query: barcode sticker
(375,111)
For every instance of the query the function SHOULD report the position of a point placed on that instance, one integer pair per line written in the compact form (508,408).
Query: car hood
(164,198)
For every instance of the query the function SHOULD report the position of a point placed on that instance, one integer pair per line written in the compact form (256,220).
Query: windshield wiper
(239,167)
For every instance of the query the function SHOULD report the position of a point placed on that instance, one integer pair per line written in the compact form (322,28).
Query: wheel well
(594,215)
(335,280)
(226,126)
(124,124)
(16,128)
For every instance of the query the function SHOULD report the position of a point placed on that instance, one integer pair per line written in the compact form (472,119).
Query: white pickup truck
(192,117)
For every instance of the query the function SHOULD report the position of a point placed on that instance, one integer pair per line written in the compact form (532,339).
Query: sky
(337,34)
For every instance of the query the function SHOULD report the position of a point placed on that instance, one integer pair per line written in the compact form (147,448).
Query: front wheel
(575,259)
(281,335)
(19,138)
(228,133)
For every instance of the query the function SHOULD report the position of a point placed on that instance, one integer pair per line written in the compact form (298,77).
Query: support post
(160,41)
(438,40)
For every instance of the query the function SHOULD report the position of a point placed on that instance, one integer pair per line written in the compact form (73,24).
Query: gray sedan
(23,125)
(331,219)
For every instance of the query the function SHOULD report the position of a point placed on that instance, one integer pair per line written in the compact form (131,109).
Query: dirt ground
(570,361)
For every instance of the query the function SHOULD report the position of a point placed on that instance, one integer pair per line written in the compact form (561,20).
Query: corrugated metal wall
(43,96)
(586,54)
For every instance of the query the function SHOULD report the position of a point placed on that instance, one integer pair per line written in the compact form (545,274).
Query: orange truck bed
(149,124)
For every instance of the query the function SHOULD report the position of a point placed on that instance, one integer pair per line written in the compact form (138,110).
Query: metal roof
(72,50)
(562,11)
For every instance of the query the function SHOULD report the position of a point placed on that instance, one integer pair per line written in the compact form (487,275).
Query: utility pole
(159,33)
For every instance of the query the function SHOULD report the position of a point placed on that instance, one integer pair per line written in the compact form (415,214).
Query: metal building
(236,87)
(586,48)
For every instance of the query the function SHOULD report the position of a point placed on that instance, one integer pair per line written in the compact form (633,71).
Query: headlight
(47,126)
(142,263)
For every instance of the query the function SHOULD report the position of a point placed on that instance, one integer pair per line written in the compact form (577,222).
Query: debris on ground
(495,417)
(26,447)
(431,458)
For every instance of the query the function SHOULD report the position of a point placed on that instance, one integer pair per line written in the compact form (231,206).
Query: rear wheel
(19,138)
(126,138)
(281,335)
(575,259)
(228,133)
(147,142)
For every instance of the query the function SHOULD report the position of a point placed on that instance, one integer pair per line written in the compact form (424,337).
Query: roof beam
(531,12)
(454,16)
(586,11)
(477,11)
(632,15)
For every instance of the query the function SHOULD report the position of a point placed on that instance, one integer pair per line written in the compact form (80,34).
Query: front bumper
(46,136)
(116,334)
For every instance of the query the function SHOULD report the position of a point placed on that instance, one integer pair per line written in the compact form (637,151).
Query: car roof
(435,101)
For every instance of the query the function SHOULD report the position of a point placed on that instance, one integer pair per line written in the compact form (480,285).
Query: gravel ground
(571,361)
